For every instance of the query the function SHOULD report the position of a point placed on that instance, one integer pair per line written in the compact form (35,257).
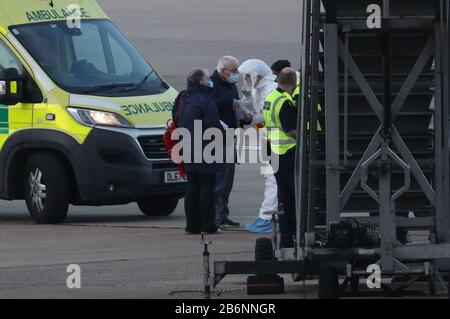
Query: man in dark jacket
(226,97)
(196,106)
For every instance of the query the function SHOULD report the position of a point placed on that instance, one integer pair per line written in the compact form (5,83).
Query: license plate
(173,177)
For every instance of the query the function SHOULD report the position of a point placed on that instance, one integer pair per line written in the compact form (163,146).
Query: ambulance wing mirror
(11,87)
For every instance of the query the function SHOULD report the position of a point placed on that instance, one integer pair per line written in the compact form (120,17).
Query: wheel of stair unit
(263,249)
(328,283)
(264,283)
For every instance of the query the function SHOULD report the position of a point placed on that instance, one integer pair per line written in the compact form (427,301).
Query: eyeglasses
(233,71)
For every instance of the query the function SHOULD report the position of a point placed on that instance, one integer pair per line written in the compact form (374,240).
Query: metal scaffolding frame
(328,175)
(335,43)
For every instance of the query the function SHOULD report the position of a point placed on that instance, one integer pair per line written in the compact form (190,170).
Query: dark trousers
(199,202)
(286,194)
(224,186)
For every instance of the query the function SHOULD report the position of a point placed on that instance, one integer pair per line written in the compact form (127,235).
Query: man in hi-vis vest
(280,116)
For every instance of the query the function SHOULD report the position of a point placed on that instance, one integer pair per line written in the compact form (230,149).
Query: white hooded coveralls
(254,105)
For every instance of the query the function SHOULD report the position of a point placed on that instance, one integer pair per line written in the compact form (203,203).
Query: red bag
(169,142)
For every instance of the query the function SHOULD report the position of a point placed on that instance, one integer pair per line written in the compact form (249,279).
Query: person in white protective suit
(258,83)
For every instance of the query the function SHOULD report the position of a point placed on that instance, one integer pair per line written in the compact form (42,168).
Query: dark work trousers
(286,193)
(224,186)
(199,202)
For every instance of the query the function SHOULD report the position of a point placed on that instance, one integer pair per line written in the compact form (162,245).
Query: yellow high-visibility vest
(280,141)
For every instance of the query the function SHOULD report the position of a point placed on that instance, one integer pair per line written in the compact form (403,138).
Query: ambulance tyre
(46,188)
(158,205)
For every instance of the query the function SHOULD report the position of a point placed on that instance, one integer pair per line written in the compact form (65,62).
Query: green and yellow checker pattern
(4,119)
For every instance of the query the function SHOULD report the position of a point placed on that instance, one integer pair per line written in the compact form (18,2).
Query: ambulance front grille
(153,147)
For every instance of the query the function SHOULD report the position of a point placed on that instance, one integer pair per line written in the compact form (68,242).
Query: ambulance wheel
(158,205)
(263,249)
(46,189)
(328,283)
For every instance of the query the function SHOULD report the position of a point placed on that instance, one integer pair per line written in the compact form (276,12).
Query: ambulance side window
(8,60)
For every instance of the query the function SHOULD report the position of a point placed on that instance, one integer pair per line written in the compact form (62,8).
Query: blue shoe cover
(259,226)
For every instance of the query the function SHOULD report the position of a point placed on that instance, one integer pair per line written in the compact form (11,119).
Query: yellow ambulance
(82,113)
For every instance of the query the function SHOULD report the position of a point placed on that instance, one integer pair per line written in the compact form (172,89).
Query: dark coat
(197,104)
(224,94)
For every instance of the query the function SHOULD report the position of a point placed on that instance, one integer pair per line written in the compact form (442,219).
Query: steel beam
(441,233)
(257,267)
(355,178)
(413,77)
(332,122)
(415,168)
(301,160)
(361,81)
(445,116)
(422,252)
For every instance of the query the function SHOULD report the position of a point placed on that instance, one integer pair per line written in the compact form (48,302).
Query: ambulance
(82,113)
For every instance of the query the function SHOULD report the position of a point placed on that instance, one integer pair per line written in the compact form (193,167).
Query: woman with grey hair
(196,105)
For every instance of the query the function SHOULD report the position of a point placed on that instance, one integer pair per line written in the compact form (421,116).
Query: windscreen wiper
(140,84)
(100,88)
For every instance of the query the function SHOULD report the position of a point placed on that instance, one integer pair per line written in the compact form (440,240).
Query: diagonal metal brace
(378,109)
(395,158)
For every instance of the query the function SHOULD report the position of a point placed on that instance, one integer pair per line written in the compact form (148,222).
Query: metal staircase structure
(382,79)
(376,179)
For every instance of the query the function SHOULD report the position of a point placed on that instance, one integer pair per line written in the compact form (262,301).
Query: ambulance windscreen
(94,59)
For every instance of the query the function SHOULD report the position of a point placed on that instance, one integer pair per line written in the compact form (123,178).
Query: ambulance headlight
(98,118)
